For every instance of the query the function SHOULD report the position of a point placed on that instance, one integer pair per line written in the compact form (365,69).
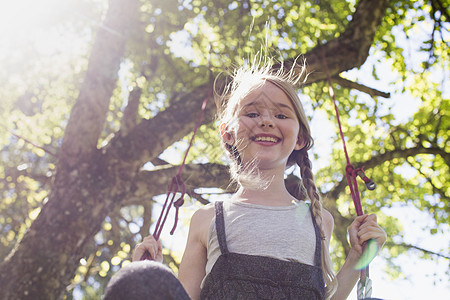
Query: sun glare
(35,24)
(18,17)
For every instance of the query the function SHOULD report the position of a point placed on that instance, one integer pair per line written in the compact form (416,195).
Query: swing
(176,185)
(364,286)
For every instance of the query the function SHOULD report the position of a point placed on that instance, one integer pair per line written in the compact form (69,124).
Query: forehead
(268,95)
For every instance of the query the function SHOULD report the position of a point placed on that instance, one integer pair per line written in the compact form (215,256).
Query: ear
(227,137)
(301,143)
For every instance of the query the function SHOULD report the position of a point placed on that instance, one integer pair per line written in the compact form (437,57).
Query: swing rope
(176,185)
(364,288)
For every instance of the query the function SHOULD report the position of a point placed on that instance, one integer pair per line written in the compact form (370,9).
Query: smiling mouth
(265,139)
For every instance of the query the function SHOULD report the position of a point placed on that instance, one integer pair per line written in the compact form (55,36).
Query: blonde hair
(242,82)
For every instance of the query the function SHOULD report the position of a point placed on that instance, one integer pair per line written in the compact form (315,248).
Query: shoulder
(328,223)
(201,221)
(205,213)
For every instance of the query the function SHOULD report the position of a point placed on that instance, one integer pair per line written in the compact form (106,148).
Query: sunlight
(181,44)
(17,17)
(31,24)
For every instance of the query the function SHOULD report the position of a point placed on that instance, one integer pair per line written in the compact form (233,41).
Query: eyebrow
(277,104)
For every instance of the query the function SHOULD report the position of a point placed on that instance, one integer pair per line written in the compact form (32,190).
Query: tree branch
(436,190)
(362,88)
(351,49)
(381,158)
(409,246)
(150,137)
(152,183)
(31,143)
(88,115)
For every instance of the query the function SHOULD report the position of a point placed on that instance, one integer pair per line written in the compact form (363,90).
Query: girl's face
(267,130)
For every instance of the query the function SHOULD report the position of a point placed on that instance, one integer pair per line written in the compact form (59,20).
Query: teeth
(266,139)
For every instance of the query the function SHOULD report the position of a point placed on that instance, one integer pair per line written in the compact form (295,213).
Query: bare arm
(362,229)
(192,267)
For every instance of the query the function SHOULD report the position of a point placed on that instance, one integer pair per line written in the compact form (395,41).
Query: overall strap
(318,251)
(220,227)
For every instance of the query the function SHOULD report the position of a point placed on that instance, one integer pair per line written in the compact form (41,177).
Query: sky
(17,24)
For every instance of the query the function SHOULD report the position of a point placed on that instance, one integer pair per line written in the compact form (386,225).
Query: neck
(274,193)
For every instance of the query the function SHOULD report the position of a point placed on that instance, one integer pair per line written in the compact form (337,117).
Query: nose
(266,121)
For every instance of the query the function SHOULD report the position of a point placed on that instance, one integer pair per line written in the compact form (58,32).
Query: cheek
(292,128)
(294,134)
(245,125)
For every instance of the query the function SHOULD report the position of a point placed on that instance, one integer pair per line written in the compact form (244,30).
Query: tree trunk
(45,260)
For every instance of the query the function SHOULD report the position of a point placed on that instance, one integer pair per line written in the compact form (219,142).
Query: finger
(149,245)
(359,219)
(379,236)
(159,246)
(155,251)
(149,238)
(372,217)
(138,252)
(353,232)
(369,228)
(159,255)
(356,223)
(354,240)
(370,225)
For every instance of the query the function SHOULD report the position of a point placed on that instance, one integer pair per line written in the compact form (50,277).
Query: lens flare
(368,255)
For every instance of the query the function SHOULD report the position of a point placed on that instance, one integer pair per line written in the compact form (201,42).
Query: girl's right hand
(150,245)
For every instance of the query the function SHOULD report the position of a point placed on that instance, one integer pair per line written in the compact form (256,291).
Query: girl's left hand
(364,228)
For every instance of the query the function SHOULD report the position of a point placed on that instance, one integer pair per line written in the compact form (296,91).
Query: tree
(74,189)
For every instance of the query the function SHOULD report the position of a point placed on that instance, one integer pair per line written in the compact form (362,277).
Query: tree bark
(45,260)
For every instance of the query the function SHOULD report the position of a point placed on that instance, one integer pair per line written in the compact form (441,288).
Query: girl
(263,243)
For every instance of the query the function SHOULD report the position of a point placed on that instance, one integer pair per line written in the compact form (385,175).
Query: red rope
(351,173)
(176,185)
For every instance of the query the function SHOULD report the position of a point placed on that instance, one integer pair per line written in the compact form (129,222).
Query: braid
(304,163)
(308,182)
(234,153)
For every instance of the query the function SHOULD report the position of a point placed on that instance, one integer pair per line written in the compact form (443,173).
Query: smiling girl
(262,243)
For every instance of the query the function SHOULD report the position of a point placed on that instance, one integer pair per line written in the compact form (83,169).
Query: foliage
(177,46)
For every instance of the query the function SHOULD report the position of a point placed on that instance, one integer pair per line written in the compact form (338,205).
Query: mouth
(265,139)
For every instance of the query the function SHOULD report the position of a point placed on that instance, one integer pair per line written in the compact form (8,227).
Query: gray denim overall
(241,276)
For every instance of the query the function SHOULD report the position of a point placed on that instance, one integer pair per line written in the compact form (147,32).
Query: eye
(252,115)
(281,116)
